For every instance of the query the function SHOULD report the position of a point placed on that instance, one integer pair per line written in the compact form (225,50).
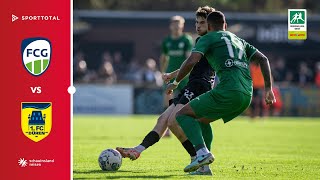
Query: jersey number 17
(230,49)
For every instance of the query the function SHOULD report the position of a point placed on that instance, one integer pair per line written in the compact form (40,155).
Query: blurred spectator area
(123,47)
(136,36)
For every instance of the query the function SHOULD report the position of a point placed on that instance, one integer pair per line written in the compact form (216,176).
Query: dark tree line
(274,6)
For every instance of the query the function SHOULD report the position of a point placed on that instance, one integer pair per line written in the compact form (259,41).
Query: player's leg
(210,106)
(207,133)
(173,125)
(206,109)
(170,98)
(193,89)
(191,127)
(167,98)
(162,122)
(206,130)
(178,132)
(151,138)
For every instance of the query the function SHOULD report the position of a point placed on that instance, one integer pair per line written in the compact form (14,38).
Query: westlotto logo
(36,54)
(35,18)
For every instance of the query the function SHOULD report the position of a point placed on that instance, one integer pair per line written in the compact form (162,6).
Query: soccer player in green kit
(200,81)
(175,49)
(230,56)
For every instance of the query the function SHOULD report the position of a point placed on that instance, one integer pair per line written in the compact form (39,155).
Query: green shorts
(216,104)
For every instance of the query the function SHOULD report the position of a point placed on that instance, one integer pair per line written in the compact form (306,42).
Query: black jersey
(202,70)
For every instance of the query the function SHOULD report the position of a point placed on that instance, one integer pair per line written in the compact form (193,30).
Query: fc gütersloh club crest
(36,54)
(36,120)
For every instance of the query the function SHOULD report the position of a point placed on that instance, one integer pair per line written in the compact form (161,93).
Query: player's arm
(187,65)
(174,73)
(166,77)
(196,54)
(263,61)
(257,57)
(185,69)
(163,62)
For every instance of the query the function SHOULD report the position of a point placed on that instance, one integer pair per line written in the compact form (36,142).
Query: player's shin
(188,146)
(150,139)
(191,129)
(207,134)
(178,132)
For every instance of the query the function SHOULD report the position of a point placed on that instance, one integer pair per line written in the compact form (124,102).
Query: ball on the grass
(110,160)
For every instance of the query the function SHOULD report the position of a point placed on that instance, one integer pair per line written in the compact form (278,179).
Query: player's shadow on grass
(131,177)
(102,172)
(143,177)
(118,174)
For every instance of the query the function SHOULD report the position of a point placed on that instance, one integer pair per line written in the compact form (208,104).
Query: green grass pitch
(271,148)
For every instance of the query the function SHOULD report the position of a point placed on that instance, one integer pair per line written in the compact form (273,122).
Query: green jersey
(229,56)
(176,50)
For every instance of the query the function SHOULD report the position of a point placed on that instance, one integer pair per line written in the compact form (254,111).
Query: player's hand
(170,88)
(166,77)
(269,97)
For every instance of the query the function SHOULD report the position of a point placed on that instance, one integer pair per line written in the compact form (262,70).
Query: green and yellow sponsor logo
(297,35)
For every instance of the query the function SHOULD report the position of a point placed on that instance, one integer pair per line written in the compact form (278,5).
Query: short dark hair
(216,19)
(204,11)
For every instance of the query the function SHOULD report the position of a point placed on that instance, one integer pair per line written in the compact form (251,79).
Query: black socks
(189,148)
(151,138)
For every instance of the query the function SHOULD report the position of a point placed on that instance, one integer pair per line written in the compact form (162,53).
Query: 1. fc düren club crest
(36,120)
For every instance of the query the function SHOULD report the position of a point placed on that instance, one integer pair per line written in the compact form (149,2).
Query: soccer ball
(110,160)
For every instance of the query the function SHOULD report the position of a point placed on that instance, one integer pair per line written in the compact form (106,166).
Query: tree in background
(181,5)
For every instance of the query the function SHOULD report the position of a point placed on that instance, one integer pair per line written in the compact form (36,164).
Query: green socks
(207,134)
(191,128)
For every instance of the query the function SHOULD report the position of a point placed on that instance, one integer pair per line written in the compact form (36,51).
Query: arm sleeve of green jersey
(189,43)
(201,45)
(164,48)
(250,50)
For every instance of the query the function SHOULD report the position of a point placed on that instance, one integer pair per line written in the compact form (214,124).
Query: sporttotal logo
(36,54)
(35,18)
(14,18)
